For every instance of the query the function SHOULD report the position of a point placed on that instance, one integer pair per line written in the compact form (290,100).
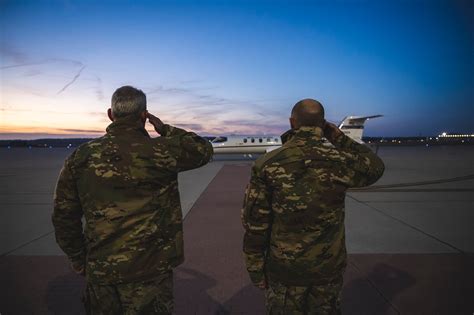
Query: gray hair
(128,100)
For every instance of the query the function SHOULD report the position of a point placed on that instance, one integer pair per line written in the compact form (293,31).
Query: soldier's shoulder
(83,151)
(285,154)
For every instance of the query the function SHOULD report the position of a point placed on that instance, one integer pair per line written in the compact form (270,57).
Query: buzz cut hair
(128,100)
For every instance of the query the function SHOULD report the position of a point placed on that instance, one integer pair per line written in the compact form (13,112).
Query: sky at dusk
(237,67)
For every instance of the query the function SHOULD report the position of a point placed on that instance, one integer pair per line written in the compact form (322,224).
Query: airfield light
(444,134)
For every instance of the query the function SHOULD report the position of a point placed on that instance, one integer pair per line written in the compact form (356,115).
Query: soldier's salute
(125,186)
(293,214)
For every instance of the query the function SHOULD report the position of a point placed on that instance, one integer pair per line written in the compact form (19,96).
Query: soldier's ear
(109,113)
(143,116)
(293,123)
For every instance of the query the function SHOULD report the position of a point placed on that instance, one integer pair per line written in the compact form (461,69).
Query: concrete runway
(410,245)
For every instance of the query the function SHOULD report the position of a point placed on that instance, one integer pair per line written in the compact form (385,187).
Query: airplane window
(269,139)
(252,140)
(260,140)
(276,139)
(219,139)
(245,140)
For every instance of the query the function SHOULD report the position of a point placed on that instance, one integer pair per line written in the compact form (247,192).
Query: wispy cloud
(98,90)
(78,74)
(15,55)
(88,131)
(34,66)
(183,104)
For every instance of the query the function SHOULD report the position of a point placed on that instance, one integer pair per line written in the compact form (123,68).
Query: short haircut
(128,100)
(308,112)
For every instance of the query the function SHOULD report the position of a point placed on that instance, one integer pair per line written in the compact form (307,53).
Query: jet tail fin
(353,126)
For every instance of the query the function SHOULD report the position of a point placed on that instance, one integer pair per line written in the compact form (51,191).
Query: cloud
(210,113)
(42,62)
(191,126)
(22,59)
(8,52)
(32,66)
(98,90)
(93,131)
(78,74)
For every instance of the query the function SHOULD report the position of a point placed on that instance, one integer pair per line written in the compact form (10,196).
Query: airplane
(352,126)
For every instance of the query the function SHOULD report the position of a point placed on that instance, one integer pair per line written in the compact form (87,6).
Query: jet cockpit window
(219,139)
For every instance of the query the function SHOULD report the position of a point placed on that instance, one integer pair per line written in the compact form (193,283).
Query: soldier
(125,186)
(293,214)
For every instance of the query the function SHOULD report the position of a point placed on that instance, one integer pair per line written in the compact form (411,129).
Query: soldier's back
(128,189)
(308,181)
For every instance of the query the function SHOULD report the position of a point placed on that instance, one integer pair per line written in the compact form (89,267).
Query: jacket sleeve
(367,167)
(189,149)
(256,219)
(67,218)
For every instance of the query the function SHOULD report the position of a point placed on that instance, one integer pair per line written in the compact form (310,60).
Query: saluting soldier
(124,184)
(293,214)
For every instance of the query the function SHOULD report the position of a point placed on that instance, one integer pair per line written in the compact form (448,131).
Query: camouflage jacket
(293,211)
(125,186)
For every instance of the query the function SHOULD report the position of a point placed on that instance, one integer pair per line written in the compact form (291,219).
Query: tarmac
(410,237)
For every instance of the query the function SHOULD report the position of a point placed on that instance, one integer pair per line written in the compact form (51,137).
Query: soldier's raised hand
(156,122)
(331,132)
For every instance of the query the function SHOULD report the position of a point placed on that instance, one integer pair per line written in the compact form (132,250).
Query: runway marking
(25,244)
(417,201)
(421,183)
(27,204)
(409,225)
(414,190)
(26,193)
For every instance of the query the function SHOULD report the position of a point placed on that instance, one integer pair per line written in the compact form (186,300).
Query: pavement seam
(26,244)
(420,183)
(27,203)
(378,190)
(409,225)
(372,284)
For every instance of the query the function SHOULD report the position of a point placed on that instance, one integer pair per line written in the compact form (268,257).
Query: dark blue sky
(238,67)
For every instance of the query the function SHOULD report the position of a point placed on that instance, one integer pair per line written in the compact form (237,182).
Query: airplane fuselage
(245,144)
(352,126)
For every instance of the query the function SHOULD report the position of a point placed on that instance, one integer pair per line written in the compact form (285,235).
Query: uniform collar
(127,124)
(305,132)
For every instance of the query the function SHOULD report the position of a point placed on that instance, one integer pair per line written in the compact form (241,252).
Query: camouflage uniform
(293,217)
(125,185)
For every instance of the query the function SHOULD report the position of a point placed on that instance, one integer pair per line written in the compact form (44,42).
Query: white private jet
(353,126)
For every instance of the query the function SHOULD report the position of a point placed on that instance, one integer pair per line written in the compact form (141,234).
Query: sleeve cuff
(166,130)
(78,260)
(256,276)
(342,141)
